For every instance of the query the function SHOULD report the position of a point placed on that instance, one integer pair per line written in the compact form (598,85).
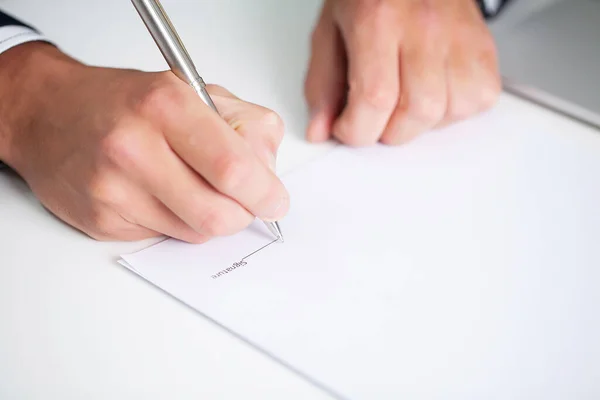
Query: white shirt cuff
(14,35)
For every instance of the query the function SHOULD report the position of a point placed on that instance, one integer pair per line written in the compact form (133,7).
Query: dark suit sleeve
(6,19)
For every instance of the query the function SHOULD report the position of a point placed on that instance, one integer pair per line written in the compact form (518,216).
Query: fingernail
(317,129)
(276,210)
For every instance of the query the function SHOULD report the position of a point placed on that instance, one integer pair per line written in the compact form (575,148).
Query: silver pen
(168,41)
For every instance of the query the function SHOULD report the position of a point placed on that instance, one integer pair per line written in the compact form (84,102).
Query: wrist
(28,74)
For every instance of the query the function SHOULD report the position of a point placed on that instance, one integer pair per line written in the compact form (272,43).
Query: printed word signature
(241,263)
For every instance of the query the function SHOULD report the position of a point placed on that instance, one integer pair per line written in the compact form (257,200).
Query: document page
(464,265)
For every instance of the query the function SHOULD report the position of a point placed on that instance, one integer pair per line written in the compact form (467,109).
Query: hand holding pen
(128,155)
(171,46)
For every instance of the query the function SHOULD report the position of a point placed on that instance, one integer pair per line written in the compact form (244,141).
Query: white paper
(465,265)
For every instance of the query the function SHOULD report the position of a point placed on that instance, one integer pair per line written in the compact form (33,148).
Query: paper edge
(263,351)
(552,103)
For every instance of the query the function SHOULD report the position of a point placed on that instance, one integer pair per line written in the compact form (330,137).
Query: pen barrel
(164,34)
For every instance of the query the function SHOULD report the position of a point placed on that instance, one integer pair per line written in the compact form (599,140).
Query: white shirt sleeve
(14,35)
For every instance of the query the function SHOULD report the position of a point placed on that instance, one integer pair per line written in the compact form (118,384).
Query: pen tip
(278,229)
(275,229)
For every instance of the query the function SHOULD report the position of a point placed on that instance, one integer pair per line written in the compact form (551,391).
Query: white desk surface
(73,323)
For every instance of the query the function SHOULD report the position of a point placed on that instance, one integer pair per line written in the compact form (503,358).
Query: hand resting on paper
(126,155)
(387,70)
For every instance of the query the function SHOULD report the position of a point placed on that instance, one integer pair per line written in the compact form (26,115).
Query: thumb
(326,79)
(261,127)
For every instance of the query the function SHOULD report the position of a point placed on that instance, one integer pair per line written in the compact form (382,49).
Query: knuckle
(231,172)
(463,108)
(162,97)
(213,223)
(378,95)
(119,146)
(277,127)
(427,108)
(466,105)
(490,93)
(102,225)
(351,137)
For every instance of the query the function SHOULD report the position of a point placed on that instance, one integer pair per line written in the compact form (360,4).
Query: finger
(325,83)
(102,223)
(373,78)
(424,91)
(151,163)
(106,192)
(473,80)
(205,142)
(146,211)
(127,232)
(262,128)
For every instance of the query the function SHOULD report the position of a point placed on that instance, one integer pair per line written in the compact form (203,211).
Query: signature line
(256,251)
